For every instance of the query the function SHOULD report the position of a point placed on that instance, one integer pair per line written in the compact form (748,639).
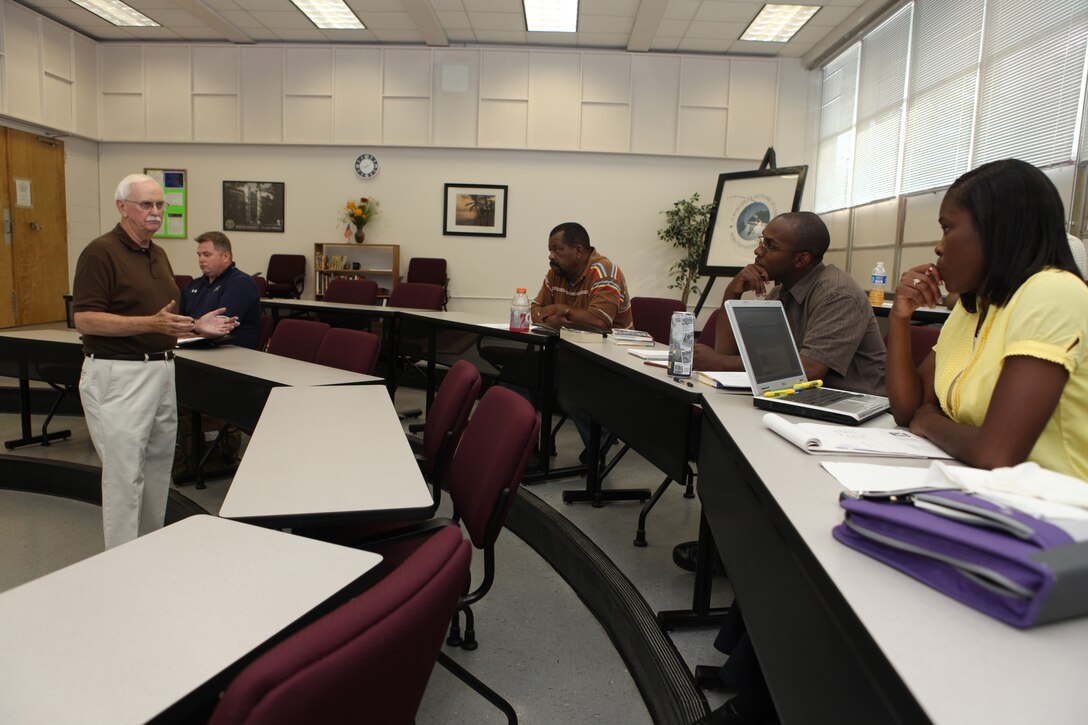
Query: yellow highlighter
(809,384)
(779,393)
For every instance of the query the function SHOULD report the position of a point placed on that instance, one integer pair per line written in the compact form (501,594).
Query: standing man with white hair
(123,299)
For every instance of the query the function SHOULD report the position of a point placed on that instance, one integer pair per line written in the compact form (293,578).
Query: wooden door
(7,275)
(37,256)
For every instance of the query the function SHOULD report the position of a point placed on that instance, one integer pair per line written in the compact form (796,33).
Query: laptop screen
(772,354)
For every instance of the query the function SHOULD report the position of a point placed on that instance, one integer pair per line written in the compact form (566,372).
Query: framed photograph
(474,210)
(746,202)
(253,206)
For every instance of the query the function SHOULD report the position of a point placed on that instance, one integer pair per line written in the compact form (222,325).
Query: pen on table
(779,393)
(809,384)
(678,380)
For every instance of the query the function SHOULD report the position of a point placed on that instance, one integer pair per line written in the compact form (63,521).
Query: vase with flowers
(356,214)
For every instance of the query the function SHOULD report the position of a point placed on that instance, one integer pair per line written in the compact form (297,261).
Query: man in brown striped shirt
(829,314)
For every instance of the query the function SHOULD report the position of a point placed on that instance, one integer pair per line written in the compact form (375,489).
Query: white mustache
(154,218)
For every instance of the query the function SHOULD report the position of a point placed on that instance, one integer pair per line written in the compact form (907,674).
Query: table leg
(593,491)
(29,438)
(701,613)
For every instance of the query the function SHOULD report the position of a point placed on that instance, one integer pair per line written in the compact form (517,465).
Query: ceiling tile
(153,34)
(240,18)
(681,9)
(460,35)
(497,21)
(794,49)
(448,5)
(605,24)
(603,40)
(673,28)
(284,6)
(350,36)
(112,32)
(729,12)
(454,20)
(396,35)
(175,19)
(301,35)
(222,5)
(262,35)
(388,21)
(201,34)
(75,15)
(704,45)
(665,45)
(493,6)
(830,17)
(282,21)
(625,8)
(502,36)
(728,31)
(754,47)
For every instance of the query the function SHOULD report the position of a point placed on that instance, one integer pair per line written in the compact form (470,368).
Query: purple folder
(1014,567)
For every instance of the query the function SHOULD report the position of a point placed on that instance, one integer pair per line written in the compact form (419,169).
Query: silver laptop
(773,365)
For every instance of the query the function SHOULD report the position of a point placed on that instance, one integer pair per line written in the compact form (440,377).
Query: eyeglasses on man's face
(770,245)
(148,205)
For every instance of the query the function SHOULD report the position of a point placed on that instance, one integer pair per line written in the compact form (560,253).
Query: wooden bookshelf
(379,262)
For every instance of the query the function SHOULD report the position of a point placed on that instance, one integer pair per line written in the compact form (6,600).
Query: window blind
(836,147)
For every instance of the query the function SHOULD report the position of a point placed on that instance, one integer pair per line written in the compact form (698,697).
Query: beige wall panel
(22,65)
(215,118)
(838,226)
(215,70)
(455,98)
(307,119)
(704,82)
(56,50)
(876,224)
(504,75)
(655,95)
(605,127)
(554,100)
(407,73)
(504,124)
(86,86)
(753,88)
(57,100)
(357,113)
(309,71)
(702,131)
(920,219)
(123,117)
(169,109)
(606,78)
(262,95)
(406,121)
(913,256)
(122,68)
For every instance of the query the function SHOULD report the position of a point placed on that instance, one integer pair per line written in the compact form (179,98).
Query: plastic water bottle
(519,311)
(876,290)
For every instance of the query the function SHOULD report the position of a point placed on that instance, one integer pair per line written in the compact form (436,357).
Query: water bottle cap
(521,290)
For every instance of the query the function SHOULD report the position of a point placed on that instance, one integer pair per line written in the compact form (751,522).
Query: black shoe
(725,715)
(684,556)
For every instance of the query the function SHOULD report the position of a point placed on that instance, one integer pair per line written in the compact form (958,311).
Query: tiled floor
(539,645)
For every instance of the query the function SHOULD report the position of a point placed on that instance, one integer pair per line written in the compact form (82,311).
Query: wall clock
(366,166)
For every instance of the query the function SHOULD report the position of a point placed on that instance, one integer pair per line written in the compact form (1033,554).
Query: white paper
(822,438)
(731,380)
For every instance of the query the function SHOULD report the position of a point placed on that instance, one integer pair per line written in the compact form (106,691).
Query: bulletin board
(175,216)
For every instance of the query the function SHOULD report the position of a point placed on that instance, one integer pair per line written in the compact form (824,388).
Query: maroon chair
(286,275)
(352,350)
(262,285)
(182,281)
(368,660)
(709,334)
(352,291)
(298,339)
(265,325)
(430,270)
(654,315)
(416,295)
(922,340)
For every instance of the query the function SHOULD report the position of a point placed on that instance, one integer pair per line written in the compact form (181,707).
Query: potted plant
(685,229)
(355,216)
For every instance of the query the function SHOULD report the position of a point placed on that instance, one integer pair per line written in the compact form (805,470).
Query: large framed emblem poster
(746,202)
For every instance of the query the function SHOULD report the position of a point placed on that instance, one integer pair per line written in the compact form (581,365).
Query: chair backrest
(922,340)
(431,270)
(298,339)
(182,281)
(265,325)
(262,285)
(286,274)
(447,417)
(709,335)
(368,660)
(352,350)
(654,314)
(416,295)
(352,291)
(490,460)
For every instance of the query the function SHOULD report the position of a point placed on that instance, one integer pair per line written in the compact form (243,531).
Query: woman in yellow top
(1008,378)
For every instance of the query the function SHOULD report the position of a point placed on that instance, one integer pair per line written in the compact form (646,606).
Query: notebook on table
(773,364)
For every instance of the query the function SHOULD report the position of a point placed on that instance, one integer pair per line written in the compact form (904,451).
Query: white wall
(618,197)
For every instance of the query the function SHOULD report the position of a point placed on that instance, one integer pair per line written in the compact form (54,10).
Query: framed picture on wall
(746,202)
(474,210)
(253,206)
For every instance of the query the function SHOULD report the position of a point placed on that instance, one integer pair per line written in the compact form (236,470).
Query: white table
(327,455)
(957,664)
(102,641)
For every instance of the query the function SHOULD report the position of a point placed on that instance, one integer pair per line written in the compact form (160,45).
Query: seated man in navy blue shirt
(223,285)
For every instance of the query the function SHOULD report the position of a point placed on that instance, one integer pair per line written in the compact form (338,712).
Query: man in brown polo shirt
(123,299)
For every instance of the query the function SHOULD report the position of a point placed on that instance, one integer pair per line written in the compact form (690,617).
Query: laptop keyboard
(819,396)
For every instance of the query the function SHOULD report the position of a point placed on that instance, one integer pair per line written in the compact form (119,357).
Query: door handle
(36,226)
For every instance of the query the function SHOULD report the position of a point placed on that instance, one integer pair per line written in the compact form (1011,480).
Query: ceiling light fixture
(779,23)
(551,16)
(330,14)
(116,12)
